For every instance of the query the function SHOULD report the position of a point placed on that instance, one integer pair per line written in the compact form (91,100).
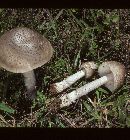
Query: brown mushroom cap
(88,68)
(118,74)
(22,50)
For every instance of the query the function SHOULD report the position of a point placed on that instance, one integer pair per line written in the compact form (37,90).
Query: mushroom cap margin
(118,72)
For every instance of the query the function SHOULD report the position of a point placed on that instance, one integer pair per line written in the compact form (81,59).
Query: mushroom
(113,75)
(86,69)
(21,51)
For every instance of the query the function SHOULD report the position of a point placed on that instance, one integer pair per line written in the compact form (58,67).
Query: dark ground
(77,35)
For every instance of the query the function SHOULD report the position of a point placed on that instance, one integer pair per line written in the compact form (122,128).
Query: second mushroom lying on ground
(87,69)
(113,75)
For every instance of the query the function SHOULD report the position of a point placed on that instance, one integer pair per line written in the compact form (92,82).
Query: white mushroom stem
(29,79)
(60,86)
(71,97)
(87,69)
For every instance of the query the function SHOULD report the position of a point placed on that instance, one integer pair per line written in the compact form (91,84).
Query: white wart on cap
(117,70)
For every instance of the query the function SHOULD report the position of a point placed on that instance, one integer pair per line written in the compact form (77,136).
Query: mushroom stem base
(69,98)
(60,86)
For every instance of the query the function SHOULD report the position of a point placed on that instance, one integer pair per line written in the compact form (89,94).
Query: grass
(77,35)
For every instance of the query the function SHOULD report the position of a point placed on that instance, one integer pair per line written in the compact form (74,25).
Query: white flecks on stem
(60,86)
(87,69)
(71,97)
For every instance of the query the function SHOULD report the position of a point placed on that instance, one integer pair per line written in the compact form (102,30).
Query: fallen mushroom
(21,51)
(113,75)
(87,69)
